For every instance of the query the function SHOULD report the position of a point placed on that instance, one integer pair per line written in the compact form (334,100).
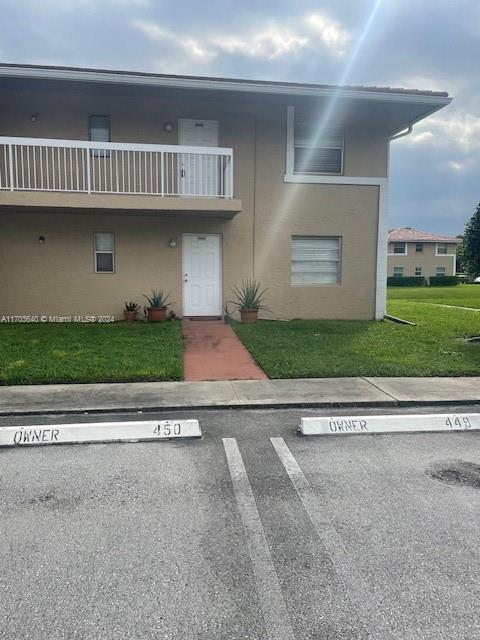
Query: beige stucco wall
(58,277)
(427,260)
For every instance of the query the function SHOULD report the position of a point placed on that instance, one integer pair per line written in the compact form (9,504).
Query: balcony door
(198,174)
(202,275)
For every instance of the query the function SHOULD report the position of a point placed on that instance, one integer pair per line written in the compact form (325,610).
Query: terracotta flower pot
(156,314)
(130,316)
(248,316)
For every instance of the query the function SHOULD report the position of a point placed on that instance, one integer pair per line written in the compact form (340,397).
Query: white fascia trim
(326,179)
(217,85)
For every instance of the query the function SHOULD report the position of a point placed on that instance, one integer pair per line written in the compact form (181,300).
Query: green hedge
(444,281)
(410,281)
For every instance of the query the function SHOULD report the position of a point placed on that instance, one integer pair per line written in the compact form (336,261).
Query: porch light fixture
(168,127)
(41,239)
(172,243)
(34,117)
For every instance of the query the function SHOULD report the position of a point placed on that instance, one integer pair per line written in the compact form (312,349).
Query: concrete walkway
(212,351)
(313,392)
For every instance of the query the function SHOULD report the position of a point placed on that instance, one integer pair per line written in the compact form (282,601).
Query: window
(440,271)
(419,247)
(104,253)
(315,260)
(398,272)
(418,271)
(441,248)
(400,247)
(99,131)
(317,148)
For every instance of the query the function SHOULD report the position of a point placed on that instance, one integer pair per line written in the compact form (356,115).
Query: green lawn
(463,295)
(49,353)
(323,348)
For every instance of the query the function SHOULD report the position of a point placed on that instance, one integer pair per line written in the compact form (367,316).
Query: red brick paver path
(212,351)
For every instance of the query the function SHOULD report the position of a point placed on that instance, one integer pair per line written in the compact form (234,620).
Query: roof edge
(221,84)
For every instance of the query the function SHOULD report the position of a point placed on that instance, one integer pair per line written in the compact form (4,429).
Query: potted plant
(130,311)
(157,309)
(248,299)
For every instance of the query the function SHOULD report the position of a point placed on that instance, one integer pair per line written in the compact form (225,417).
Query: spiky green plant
(249,296)
(157,299)
(132,306)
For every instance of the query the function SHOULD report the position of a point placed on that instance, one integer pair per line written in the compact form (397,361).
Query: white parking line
(323,523)
(277,621)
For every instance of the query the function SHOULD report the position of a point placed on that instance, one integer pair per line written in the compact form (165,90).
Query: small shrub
(402,281)
(444,281)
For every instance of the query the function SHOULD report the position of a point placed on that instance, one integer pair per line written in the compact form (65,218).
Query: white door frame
(220,270)
(188,164)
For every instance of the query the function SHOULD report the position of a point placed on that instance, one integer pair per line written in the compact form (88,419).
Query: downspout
(382,239)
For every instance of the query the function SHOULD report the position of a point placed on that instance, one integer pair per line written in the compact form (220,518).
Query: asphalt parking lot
(251,532)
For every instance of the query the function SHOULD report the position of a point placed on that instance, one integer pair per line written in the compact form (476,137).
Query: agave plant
(157,299)
(132,306)
(249,296)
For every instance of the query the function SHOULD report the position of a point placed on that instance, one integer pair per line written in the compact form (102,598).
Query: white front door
(198,173)
(202,275)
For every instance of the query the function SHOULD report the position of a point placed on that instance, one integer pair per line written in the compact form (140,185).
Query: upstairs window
(99,131)
(441,248)
(104,246)
(313,148)
(400,248)
(419,247)
(315,260)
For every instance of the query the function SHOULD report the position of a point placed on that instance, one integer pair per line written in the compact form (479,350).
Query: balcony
(109,175)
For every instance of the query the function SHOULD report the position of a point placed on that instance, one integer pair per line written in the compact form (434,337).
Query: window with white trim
(318,147)
(398,272)
(99,131)
(400,248)
(441,248)
(419,247)
(418,271)
(441,271)
(315,260)
(104,247)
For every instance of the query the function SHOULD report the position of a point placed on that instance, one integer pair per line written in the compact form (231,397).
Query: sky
(423,44)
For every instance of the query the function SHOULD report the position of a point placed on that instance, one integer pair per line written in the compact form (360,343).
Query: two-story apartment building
(420,253)
(113,183)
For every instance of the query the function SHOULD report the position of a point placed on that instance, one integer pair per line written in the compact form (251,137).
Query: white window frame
(95,252)
(418,269)
(291,174)
(405,246)
(339,261)
(440,275)
(419,244)
(402,275)
(446,249)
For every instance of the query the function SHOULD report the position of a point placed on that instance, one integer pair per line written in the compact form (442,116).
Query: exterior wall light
(34,117)
(168,127)
(172,243)
(41,239)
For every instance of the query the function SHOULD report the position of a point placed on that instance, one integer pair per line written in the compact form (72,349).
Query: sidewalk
(310,392)
(212,351)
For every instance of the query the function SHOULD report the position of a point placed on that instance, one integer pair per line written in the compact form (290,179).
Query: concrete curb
(306,393)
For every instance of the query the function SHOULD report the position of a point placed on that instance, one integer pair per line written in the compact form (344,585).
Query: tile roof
(408,234)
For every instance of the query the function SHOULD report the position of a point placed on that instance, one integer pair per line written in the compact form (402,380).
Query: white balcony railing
(41,164)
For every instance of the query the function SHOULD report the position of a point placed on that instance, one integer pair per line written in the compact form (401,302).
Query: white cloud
(191,47)
(269,43)
(332,34)
(456,130)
